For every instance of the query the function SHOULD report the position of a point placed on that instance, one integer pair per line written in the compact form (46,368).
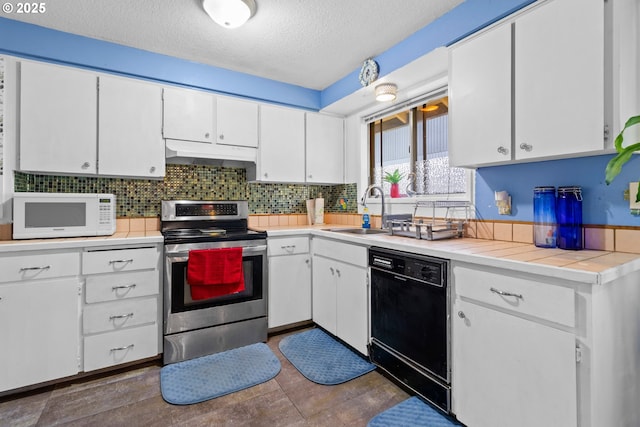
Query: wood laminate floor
(133,398)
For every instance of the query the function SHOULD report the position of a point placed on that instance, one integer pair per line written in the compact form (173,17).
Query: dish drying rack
(446,228)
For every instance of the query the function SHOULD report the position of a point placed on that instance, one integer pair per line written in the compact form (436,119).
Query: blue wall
(602,204)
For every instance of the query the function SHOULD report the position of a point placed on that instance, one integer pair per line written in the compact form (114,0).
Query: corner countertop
(121,238)
(584,266)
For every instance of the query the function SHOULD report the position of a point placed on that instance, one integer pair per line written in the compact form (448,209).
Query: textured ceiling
(310,43)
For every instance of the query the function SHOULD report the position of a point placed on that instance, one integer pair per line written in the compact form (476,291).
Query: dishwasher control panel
(418,267)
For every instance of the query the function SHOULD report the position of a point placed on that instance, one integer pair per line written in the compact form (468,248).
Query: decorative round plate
(368,72)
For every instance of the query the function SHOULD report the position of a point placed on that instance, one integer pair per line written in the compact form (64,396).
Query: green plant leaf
(394,177)
(619,139)
(615,165)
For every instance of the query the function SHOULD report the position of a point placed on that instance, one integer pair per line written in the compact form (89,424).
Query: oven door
(182,313)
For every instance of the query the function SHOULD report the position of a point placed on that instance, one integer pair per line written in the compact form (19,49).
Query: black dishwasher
(410,321)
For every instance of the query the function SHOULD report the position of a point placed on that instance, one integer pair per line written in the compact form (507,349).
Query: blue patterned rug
(215,375)
(413,412)
(322,359)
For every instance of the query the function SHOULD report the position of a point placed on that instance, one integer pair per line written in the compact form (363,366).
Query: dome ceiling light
(386,92)
(230,13)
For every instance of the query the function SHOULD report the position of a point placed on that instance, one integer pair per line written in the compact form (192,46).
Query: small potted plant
(624,154)
(394,179)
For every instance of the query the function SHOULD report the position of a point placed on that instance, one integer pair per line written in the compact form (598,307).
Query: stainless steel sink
(363,231)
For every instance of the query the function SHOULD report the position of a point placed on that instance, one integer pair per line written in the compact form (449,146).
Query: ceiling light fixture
(386,92)
(229,13)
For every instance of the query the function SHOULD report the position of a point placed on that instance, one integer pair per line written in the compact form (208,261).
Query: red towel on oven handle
(215,272)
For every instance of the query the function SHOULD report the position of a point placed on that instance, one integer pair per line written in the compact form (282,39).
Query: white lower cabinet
(39,335)
(514,361)
(121,314)
(340,291)
(510,371)
(289,294)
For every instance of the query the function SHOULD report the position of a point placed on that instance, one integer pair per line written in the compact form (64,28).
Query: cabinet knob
(338,272)
(221,136)
(152,169)
(206,135)
(331,269)
(461,315)
(306,261)
(526,147)
(310,176)
(86,165)
(266,175)
(503,150)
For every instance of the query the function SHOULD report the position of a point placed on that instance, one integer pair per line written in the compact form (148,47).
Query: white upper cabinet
(58,119)
(530,88)
(325,149)
(189,115)
(559,79)
(237,122)
(130,128)
(480,99)
(281,152)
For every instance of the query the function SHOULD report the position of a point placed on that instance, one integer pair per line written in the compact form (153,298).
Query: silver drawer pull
(118,261)
(131,286)
(46,267)
(121,348)
(505,294)
(121,316)
(288,247)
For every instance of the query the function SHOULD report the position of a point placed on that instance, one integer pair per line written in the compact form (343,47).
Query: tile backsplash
(141,198)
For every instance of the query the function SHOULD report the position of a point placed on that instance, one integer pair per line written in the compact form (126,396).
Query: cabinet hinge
(606,132)
(578,354)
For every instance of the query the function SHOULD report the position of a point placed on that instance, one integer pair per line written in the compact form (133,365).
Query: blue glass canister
(544,217)
(569,217)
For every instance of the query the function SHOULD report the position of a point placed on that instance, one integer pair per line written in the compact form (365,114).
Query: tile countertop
(585,266)
(119,238)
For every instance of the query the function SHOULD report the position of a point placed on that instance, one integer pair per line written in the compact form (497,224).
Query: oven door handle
(251,250)
(246,251)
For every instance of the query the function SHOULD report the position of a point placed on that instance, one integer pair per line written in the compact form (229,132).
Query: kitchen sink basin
(363,231)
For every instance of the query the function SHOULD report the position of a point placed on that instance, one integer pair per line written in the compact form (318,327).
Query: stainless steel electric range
(197,327)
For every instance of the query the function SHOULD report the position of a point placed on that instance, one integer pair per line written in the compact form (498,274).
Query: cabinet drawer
(123,346)
(528,296)
(113,316)
(117,286)
(39,266)
(119,260)
(352,254)
(287,246)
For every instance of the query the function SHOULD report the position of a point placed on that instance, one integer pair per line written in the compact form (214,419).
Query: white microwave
(45,215)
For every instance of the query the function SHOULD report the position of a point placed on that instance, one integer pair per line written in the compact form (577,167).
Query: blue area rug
(322,359)
(413,412)
(215,375)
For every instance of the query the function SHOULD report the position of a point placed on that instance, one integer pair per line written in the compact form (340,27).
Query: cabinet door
(237,122)
(324,293)
(480,99)
(351,301)
(58,119)
(281,152)
(510,371)
(289,289)
(325,149)
(559,79)
(130,133)
(188,115)
(40,332)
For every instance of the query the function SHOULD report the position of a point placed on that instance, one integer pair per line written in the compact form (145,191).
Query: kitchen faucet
(364,200)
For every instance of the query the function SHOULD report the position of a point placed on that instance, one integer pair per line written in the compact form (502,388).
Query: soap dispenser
(366,220)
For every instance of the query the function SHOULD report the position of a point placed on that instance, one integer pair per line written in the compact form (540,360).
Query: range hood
(189,152)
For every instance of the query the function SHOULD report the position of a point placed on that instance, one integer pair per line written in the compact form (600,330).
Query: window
(415,141)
